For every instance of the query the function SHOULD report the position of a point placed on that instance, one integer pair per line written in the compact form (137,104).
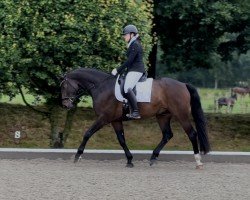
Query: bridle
(81,91)
(73,99)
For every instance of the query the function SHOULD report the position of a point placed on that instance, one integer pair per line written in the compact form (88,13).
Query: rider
(134,66)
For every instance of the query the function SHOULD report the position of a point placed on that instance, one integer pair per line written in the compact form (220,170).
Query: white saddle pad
(143,91)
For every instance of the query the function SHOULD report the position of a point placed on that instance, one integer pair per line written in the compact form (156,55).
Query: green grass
(208,97)
(226,132)
(85,101)
(18,99)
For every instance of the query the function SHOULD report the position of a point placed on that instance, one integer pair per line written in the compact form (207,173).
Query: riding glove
(114,72)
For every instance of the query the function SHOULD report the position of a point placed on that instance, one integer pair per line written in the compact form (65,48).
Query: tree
(48,38)
(222,74)
(7,55)
(190,32)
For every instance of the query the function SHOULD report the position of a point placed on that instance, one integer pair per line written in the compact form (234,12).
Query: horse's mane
(89,70)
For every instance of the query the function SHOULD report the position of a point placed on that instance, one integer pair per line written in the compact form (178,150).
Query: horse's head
(234,96)
(70,91)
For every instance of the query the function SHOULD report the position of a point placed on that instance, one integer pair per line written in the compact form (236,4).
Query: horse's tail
(199,119)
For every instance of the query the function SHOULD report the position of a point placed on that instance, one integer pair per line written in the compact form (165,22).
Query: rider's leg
(131,79)
(133,104)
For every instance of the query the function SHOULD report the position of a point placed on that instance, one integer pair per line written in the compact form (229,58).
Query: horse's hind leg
(193,137)
(118,127)
(164,123)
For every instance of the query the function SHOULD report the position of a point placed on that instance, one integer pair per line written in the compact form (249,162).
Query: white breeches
(131,79)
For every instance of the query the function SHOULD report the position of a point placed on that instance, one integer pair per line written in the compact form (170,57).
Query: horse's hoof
(77,159)
(199,167)
(130,165)
(153,161)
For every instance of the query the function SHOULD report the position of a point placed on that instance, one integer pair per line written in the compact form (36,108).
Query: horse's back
(171,86)
(240,90)
(170,93)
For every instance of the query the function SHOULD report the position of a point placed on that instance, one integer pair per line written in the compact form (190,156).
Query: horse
(169,98)
(241,91)
(229,102)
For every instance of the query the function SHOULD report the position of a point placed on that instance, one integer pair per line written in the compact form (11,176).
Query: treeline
(204,42)
(235,72)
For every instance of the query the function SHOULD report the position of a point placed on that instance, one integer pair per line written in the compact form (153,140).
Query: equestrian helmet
(129,29)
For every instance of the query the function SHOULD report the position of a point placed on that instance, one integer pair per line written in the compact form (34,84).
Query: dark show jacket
(134,60)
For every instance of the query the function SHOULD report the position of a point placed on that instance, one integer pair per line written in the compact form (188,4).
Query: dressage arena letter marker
(17,134)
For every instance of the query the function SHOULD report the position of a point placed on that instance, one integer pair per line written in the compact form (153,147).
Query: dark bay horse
(169,98)
(229,102)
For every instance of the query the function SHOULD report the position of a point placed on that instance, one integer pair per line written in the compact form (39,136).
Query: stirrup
(134,115)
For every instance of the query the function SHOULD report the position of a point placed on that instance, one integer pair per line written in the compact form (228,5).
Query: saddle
(120,86)
(142,89)
(121,82)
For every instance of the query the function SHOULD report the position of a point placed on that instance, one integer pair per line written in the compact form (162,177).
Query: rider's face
(126,37)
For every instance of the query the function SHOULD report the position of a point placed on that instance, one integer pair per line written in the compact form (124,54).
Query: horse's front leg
(118,127)
(98,124)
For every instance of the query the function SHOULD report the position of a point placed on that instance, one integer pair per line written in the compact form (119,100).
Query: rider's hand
(114,71)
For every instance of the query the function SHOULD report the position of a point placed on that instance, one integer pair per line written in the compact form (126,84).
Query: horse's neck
(89,78)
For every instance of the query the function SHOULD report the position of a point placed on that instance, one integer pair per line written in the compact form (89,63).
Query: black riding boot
(133,104)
